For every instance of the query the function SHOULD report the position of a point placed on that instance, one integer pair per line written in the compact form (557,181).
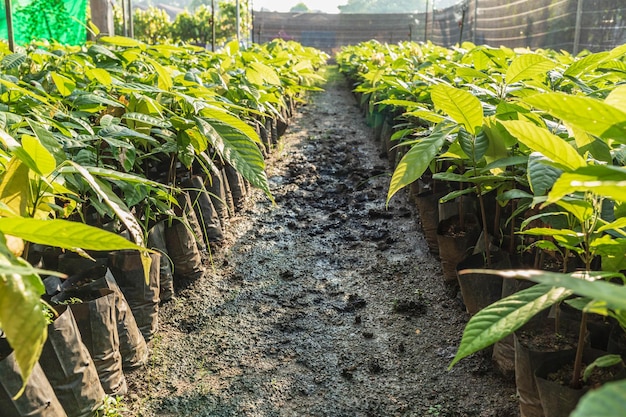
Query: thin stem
(578,362)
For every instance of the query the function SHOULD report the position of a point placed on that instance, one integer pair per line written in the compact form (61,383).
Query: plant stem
(578,362)
(483,215)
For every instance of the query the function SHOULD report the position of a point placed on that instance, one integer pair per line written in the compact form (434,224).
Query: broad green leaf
(617,98)
(541,140)
(228,118)
(44,161)
(260,74)
(528,66)
(64,234)
(585,65)
(585,284)
(503,317)
(147,119)
(585,113)
(415,162)
(616,225)
(15,87)
(48,140)
(83,99)
(581,209)
(604,361)
(122,41)
(473,146)
(164,77)
(238,150)
(14,188)
(603,180)
(119,208)
(21,315)
(460,105)
(63,84)
(13,61)
(100,75)
(607,401)
(546,231)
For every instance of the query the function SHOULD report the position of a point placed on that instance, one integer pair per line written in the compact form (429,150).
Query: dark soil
(327,304)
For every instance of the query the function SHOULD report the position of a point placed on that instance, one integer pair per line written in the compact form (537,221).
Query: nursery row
(121,165)
(515,159)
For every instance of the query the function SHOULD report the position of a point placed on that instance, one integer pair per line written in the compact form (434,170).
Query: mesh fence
(571,25)
(60,20)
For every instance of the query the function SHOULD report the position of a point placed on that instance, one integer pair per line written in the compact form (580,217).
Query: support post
(579,18)
(102,16)
(212,25)
(9,17)
(238,21)
(426,23)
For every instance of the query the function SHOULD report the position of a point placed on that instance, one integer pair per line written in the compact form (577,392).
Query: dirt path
(326,305)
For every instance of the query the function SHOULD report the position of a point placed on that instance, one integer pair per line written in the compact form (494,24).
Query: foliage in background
(58,20)
(152,25)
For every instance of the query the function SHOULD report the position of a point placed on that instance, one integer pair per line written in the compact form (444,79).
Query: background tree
(151,25)
(300,8)
(193,28)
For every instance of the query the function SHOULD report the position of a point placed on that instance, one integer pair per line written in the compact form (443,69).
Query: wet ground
(327,304)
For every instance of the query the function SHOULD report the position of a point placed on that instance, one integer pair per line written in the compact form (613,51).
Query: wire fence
(570,25)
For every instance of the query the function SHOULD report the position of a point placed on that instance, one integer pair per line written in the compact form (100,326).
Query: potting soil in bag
(142,297)
(96,319)
(205,212)
(182,248)
(237,186)
(230,204)
(132,346)
(72,373)
(190,215)
(156,241)
(217,192)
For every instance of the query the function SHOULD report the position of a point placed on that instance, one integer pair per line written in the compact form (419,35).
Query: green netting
(60,20)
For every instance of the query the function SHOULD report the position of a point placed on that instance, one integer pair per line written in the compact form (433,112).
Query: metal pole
(9,17)
(461,25)
(131,26)
(579,17)
(426,23)
(475,21)
(238,22)
(124,19)
(212,25)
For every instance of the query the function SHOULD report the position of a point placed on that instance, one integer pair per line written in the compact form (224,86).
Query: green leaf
(607,401)
(122,41)
(617,98)
(460,105)
(588,114)
(415,162)
(48,140)
(63,84)
(147,119)
(238,150)
(64,234)
(585,65)
(541,176)
(99,74)
(503,317)
(604,180)
(21,316)
(528,66)
(473,146)
(581,283)
(541,140)
(260,74)
(604,361)
(13,61)
(119,208)
(14,187)
(43,160)
(164,81)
